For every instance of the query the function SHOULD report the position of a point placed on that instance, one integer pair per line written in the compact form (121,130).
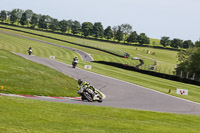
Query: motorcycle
(30,51)
(88,94)
(74,64)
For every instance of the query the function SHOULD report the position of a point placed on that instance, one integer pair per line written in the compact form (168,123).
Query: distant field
(155,42)
(20,45)
(19,115)
(166,59)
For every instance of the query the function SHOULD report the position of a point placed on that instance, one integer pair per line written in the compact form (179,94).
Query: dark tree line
(188,57)
(87,29)
(178,43)
(189,61)
(118,33)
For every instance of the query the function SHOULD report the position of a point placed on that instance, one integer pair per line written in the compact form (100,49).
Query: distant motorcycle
(30,51)
(74,64)
(88,94)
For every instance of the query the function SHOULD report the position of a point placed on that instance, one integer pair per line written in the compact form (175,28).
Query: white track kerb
(35,97)
(47,97)
(134,85)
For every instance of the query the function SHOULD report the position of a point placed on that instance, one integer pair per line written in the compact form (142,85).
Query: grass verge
(21,76)
(31,116)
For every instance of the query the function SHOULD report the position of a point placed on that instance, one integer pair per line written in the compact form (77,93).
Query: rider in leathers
(85,85)
(75,60)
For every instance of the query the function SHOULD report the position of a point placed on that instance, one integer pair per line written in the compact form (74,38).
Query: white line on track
(137,85)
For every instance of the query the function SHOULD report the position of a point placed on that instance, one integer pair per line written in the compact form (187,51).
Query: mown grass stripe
(133,77)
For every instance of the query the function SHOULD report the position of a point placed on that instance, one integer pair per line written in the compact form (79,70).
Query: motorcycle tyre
(88,96)
(100,100)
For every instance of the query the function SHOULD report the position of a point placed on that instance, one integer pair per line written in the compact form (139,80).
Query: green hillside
(20,45)
(21,76)
(166,59)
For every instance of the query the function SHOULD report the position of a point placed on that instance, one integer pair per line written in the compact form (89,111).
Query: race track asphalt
(120,93)
(85,56)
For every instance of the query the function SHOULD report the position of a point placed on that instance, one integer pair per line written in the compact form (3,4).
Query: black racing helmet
(80,81)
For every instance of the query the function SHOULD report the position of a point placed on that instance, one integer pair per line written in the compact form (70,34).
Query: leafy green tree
(197,44)
(165,41)
(98,30)
(39,16)
(114,29)
(48,19)
(23,20)
(189,61)
(126,29)
(19,13)
(34,20)
(143,39)
(42,22)
(69,25)
(119,34)
(54,25)
(63,26)
(108,33)
(188,44)
(29,14)
(133,37)
(3,16)
(87,28)
(176,43)
(76,27)
(13,16)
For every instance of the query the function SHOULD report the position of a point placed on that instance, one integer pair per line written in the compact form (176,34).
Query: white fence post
(187,75)
(181,74)
(193,76)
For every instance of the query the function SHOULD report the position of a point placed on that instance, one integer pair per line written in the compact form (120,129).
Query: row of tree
(189,59)
(120,33)
(87,29)
(178,43)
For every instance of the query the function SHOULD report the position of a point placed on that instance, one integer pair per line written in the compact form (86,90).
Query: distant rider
(75,61)
(30,51)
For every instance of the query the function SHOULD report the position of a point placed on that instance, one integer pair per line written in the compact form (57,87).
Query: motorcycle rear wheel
(100,100)
(88,96)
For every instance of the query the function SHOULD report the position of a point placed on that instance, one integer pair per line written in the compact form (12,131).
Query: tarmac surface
(119,93)
(85,56)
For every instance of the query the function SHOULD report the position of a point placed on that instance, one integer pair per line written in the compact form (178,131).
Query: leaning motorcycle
(88,94)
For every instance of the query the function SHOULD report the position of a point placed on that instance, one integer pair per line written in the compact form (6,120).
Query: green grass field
(19,115)
(33,116)
(20,76)
(20,45)
(166,59)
